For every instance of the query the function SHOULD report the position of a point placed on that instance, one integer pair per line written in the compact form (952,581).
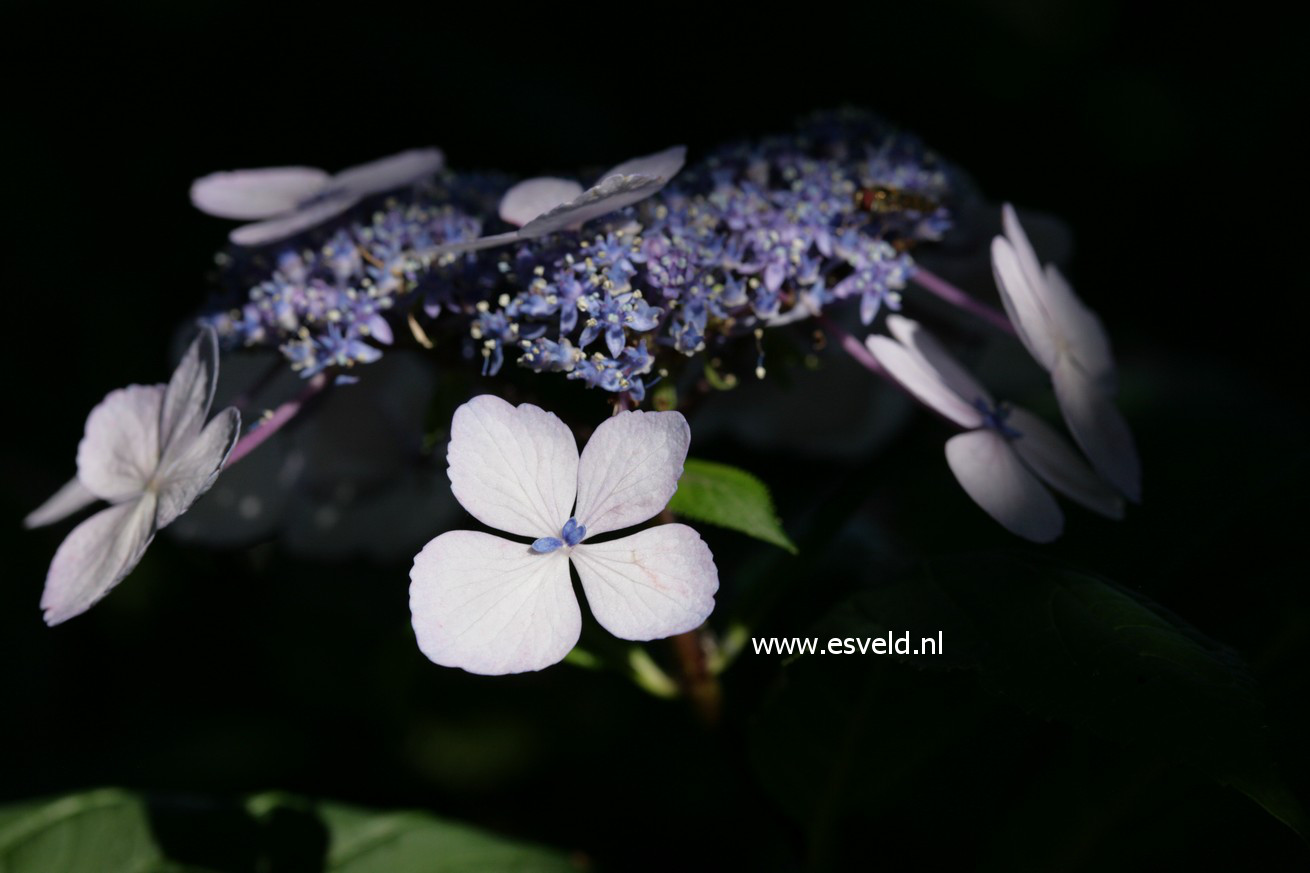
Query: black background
(1164,141)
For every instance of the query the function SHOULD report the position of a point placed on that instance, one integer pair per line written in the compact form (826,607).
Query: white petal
(653,584)
(387,173)
(477,245)
(280,228)
(611,194)
(1024,254)
(96,556)
(1057,463)
(532,197)
(1080,329)
(252,194)
(991,473)
(250,501)
(190,473)
(63,503)
(492,606)
(628,183)
(1098,428)
(189,393)
(914,373)
(1023,303)
(514,468)
(952,373)
(119,451)
(660,165)
(630,468)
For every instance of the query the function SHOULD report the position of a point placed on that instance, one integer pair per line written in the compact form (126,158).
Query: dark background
(1164,141)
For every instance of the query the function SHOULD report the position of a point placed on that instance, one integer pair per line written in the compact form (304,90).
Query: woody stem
(695,677)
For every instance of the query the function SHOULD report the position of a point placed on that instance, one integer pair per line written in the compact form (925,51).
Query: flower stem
(861,354)
(695,677)
(271,424)
(939,287)
(854,347)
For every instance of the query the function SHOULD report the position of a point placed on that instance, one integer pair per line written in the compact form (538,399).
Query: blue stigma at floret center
(570,535)
(994,418)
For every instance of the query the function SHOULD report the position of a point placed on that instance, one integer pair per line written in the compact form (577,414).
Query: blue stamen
(546,544)
(994,418)
(573,532)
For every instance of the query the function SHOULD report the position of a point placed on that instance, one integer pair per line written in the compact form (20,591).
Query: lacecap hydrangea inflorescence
(755,235)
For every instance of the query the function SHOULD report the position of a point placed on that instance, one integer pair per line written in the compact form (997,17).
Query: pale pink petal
(653,584)
(280,228)
(1023,303)
(630,468)
(253,194)
(189,393)
(1080,329)
(477,245)
(193,469)
(492,606)
(1051,320)
(532,197)
(96,556)
(514,468)
(660,165)
(1058,464)
(917,377)
(991,473)
(394,171)
(1024,254)
(611,194)
(63,503)
(119,452)
(913,336)
(1098,428)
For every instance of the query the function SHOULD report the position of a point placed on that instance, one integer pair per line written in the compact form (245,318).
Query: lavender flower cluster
(754,236)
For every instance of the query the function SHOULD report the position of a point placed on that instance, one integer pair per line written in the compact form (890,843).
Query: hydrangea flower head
(492,605)
(1006,452)
(148,452)
(1067,339)
(753,236)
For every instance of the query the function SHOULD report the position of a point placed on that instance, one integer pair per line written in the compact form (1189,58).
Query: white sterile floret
(492,605)
(283,201)
(1067,339)
(546,204)
(1006,452)
(148,451)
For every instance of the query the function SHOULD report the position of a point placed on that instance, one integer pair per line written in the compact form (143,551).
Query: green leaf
(110,830)
(414,842)
(729,497)
(1065,644)
(105,830)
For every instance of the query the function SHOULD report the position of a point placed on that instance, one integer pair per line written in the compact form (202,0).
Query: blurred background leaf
(1063,643)
(111,830)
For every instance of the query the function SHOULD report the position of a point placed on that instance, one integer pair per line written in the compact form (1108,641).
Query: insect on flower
(149,453)
(883,199)
(493,605)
